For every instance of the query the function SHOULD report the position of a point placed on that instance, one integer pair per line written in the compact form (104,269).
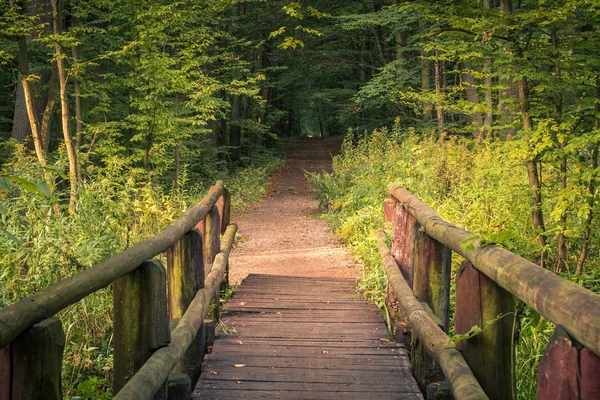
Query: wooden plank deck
(304,338)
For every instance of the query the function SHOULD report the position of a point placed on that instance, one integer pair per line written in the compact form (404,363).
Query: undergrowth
(480,186)
(41,243)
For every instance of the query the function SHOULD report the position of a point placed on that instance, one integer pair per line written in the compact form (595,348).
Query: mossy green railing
(481,365)
(160,331)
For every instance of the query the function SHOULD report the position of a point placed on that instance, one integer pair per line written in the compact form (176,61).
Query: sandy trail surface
(281,236)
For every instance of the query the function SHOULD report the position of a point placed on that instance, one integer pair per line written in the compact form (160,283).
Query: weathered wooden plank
(30,367)
(544,291)
(404,230)
(305,394)
(294,344)
(398,387)
(489,354)
(567,372)
(185,270)
(140,319)
(21,315)
(589,365)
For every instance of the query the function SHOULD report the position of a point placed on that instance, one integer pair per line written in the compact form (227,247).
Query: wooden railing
(418,269)
(160,331)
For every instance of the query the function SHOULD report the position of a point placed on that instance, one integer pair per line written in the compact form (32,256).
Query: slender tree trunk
(426,85)
(487,81)
(591,188)
(508,90)
(560,240)
(64,106)
(438,93)
(23,62)
(235,130)
(535,185)
(21,129)
(177,150)
(78,109)
(471,93)
(49,110)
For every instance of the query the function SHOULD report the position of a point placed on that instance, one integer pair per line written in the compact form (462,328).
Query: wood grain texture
(18,317)
(489,354)
(297,337)
(547,293)
(141,324)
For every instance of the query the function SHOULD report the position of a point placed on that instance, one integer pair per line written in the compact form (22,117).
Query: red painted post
(567,371)
(489,354)
(404,229)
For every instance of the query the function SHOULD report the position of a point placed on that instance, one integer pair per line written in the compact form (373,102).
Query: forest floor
(282,235)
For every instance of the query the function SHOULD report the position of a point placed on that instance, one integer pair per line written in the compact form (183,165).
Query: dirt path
(281,237)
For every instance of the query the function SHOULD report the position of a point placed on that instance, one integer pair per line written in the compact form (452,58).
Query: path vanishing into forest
(283,236)
(297,328)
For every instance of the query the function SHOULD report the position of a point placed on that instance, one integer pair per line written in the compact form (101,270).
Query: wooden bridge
(307,337)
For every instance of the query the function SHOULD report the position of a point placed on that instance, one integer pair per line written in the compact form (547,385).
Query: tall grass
(41,243)
(480,186)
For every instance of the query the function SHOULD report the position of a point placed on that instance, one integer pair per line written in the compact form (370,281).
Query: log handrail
(462,381)
(20,316)
(547,293)
(155,371)
(480,363)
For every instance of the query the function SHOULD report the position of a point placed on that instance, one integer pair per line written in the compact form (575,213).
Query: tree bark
(235,130)
(471,93)
(591,188)
(487,81)
(532,168)
(64,107)
(438,93)
(560,240)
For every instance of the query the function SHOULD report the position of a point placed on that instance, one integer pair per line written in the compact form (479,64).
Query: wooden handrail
(20,316)
(155,371)
(550,295)
(462,381)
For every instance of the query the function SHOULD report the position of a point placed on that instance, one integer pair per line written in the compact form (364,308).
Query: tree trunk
(471,93)
(487,81)
(21,129)
(64,108)
(177,150)
(23,62)
(78,110)
(591,188)
(438,93)
(235,130)
(532,168)
(560,240)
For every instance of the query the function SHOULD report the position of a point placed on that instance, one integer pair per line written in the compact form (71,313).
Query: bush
(480,186)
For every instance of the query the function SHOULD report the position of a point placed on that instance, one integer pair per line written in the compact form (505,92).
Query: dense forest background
(115,115)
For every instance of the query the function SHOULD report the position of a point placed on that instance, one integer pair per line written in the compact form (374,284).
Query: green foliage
(40,243)
(474,184)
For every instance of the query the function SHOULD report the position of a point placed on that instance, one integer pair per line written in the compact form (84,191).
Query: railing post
(30,366)
(432,262)
(224,206)
(400,329)
(141,324)
(567,371)
(480,300)
(185,270)
(186,276)
(404,230)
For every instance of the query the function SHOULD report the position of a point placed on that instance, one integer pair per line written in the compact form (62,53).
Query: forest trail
(281,236)
(296,327)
